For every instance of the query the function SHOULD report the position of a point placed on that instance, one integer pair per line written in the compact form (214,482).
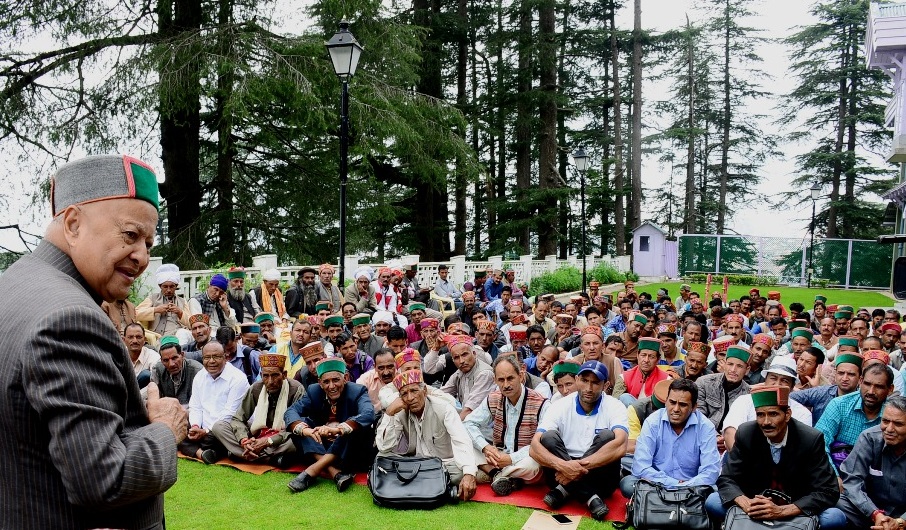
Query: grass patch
(855,298)
(207,497)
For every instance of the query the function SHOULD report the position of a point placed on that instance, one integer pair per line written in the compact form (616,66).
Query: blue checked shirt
(843,420)
(817,399)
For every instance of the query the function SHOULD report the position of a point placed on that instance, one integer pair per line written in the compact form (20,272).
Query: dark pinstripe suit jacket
(76,448)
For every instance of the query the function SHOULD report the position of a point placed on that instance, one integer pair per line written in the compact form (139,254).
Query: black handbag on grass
(410,482)
(738,520)
(657,507)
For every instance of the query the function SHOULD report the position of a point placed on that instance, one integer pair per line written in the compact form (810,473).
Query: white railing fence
(526,268)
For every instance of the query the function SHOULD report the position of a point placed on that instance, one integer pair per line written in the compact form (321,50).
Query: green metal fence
(843,262)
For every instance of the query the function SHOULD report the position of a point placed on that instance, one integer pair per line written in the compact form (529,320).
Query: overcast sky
(778,18)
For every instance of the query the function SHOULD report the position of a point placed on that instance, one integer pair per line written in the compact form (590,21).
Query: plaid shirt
(843,420)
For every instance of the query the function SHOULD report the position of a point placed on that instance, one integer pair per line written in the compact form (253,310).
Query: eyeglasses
(207,358)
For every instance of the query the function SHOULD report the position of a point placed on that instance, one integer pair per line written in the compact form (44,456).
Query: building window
(644,243)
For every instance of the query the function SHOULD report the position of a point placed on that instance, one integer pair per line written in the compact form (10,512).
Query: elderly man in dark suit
(79,448)
(777,453)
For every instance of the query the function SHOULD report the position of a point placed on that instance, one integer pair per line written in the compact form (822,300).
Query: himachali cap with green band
(322,307)
(843,314)
(772,396)
(235,272)
(334,320)
(650,344)
(98,178)
(802,332)
(566,367)
(737,352)
(169,340)
(264,317)
(796,324)
(659,396)
(820,298)
(851,358)
(361,319)
(849,308)
(848,340)
(416,307)
(330,365)
(640,318)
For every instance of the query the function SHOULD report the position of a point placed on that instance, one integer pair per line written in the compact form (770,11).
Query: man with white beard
(237,297)
(302,297)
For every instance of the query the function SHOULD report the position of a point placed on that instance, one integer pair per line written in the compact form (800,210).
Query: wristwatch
(270,442)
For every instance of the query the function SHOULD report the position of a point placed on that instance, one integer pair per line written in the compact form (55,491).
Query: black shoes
(282,461)
(301,482)
(503,485)
(209,456)
(344,480)
(597,508)
(555,498)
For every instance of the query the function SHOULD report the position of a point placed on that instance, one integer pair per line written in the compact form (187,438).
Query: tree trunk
(849,197)
(180,126)
(689,213)
(726,121)
(430,218)
(523,125)
(637,117)
(562,155)
(843,96)
(618,184)
(547,139)
(500,182)
(226,149)
(461,101)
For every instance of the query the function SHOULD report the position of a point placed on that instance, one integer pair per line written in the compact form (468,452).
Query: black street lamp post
(816,192)
(344,53)
(580,159)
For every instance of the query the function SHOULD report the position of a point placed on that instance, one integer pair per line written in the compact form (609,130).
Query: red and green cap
(772,396)
(659,396)
(848,357)
(103,177)
(849,340)
(738,352)
(331,364)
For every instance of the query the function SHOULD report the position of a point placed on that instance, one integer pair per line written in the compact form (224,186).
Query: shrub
(562,280)
(735,279)
(606,274)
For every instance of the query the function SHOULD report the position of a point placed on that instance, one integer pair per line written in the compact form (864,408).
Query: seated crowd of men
(745,397)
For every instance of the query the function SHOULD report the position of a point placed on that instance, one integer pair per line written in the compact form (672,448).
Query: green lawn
(854,298)
(207,497)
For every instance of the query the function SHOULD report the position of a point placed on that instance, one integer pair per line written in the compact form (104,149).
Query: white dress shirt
(214,399)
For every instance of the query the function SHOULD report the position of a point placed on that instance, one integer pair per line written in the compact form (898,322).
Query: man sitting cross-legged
(216,394)
(780,454)
(580,441)
(511,414)
(677,445)
(331,424)
(428,426)
(264,405)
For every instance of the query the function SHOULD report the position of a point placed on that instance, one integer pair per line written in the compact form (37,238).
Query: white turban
(382,316)
(365,271)
(168,272)
(270,275)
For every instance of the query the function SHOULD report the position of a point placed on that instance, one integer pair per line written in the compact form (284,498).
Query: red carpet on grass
(528,497)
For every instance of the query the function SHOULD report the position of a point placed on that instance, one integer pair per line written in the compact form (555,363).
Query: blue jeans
(627,399)
(829,519)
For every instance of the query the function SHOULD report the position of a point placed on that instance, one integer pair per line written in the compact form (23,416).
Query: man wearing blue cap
(214,303)
(580,441)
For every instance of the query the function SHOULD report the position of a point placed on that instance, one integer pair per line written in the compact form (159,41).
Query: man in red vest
(511,415)
(639,381)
